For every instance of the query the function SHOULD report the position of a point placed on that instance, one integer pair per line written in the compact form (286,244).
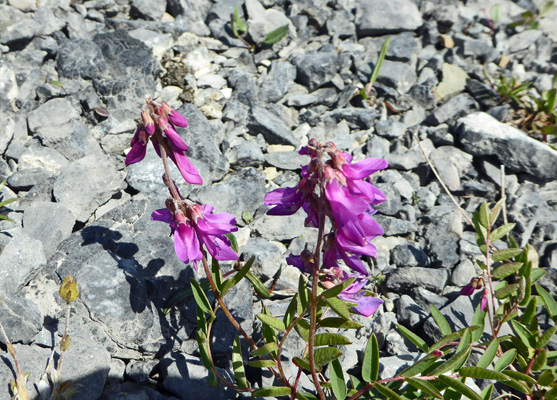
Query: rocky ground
(81,211)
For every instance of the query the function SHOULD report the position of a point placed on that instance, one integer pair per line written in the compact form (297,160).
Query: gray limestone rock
(19,32)
(397,75)
(26,254)
(261,22)
(132,391)
(402,280)
(409,313)
(204,142)
(316,68)
(87,184)
(25,179)
(284,227)
(410,255)
(273,129)
(243,191)
(80,58)
(185,376)
(375,17)
(482,135)
(54,218)
(245,154)
(454,108)
(268,257)
(20,318)
(289,160)
(148,10)
(357,118)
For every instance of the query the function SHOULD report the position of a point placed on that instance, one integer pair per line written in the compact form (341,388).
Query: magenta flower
(194,227)
(158,124)
(476,283)
(366,305)
(339,190)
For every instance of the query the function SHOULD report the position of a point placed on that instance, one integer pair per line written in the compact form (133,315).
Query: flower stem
(20,379)
(68,311)
(171,185)
(313,305)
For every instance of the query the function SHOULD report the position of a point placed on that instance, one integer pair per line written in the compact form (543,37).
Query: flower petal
(186,168)
(162,215)
(137,153)
(175,140)
(178,119)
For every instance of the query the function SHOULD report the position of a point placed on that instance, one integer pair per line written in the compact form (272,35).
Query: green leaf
(495,12)
(457,359)
(265,349)
(269,333)
(501,231)
(330,339)
(388,393)
(546,378)
(479,320)
(324,355)
(440,321)
(272,321)
(484,214)
(505,360)
(524,334)
(216,274)
(487,392)
(549,301)
(540,361)
(338,383)
(546,337)
(506,291)
(56,83)
(481,231)
(483,373)
(536,274)
(239,23)
(204,353)
(495,214)
(459,387)
(258,285)
(201,298)
(411,336)
(419,367)
(546,8)
(303,294)
(305,396)
(489,354)
(8,201)
(466,341)
(290,313)
(506,269)
(271,391)
(337,289)
(451,338)
(233,242)
(262,363)
(340,323)
(230,283)
(302,329)
(519,376)
(276,36)
(238,364)
(425,387)
(379,63)
(505,254)
(530,311)
(339,307)
(370,365)
(551,394)
(304,363)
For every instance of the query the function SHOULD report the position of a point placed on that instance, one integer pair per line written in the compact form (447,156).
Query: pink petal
(137,153)
(177,119)
(186,168)
(175,140)
(218,248)
(186,244)
(364,168)
(162,215)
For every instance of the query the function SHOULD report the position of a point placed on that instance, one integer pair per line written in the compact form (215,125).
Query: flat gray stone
(23,252)
(87,184)
(376,17)
(482,135)
(20,318)
(54,218)
(401,280)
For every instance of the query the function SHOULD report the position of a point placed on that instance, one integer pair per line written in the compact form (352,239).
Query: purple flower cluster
(476,284)
(338,190)
(158,123)
(194,226)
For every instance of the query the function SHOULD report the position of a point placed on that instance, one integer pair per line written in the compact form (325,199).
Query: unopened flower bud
(65,343)
(69,290)
(437,353)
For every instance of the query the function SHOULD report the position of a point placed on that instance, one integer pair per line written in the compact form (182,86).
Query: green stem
(313,305)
